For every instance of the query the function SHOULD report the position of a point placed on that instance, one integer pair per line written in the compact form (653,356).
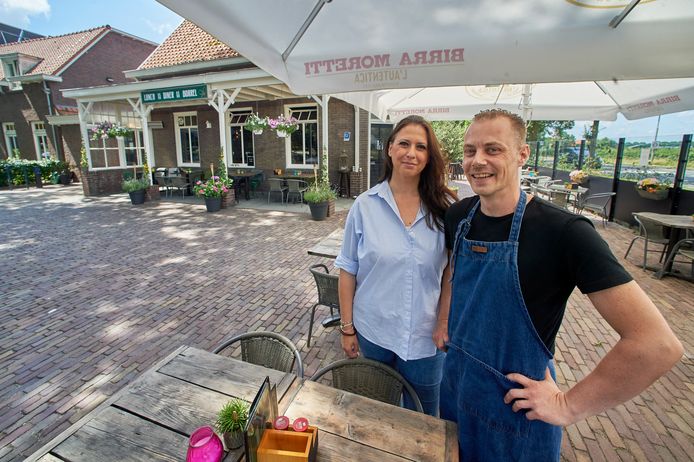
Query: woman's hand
(350,344)
(440,334)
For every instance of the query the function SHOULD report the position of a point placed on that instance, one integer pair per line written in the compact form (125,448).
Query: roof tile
(188,44)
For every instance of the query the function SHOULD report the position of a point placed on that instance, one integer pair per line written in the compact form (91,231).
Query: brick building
(36,120)
(188,104)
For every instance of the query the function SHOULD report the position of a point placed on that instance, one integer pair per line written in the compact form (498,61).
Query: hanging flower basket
(284,126)
(256,125)
(655,195)
(651,188)
(105,130)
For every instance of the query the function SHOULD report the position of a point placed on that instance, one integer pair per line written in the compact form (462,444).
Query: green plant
(255,123)
(214,187)
(84,162)
(284,125)
(319,192)
(232,417)
(134,184)
(104,130)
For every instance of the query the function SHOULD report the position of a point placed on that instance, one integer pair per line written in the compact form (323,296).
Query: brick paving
(94,291)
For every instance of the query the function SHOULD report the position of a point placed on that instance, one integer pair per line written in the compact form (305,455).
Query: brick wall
(22,108)
(101,182)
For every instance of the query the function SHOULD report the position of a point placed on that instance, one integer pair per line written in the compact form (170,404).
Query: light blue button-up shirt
(398,272)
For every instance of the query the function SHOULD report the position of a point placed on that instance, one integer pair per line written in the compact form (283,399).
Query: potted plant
(64,172)
(652,188)
(135,187)
(231,420)
(104,130)
(284,126)
(578,177)
(212,191)
(256,124)
(318,197)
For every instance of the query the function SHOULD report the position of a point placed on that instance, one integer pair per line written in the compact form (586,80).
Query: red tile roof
(188,44)
(55,52)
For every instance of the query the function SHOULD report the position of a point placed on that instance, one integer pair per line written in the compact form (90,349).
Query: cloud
(18,12)
(161,29)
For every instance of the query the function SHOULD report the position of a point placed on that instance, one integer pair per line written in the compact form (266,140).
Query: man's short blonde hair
(517,122)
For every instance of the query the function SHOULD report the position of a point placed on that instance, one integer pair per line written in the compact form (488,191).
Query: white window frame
(40,138)
(288,108)
(139,148)
(177,134)
(102,149)
(10,132)
(229,124)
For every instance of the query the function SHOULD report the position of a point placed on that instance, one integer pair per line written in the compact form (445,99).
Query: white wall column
(143,111)
(323,103)
(82,113)
(224,100)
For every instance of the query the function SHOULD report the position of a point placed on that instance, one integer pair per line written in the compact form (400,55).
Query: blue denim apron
(491,335)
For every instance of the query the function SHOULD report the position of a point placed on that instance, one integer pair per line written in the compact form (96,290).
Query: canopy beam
(304,27)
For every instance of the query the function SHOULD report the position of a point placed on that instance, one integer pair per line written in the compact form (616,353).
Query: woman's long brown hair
(433,190)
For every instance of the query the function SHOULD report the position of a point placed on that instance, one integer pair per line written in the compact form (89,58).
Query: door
(379,137)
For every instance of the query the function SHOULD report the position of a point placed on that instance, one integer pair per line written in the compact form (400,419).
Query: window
(240,141)
(40,140)
(10,138)
(134,148)
(11,69)
(302,146)
(187,143)
(104,152)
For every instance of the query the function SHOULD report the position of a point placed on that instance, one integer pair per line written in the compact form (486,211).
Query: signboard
(346,136)
(174,94)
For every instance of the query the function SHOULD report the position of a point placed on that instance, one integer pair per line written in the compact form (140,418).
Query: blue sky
(151,20)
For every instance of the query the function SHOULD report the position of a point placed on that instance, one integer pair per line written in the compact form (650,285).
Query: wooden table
(329,246)
(676,223)
(152,418)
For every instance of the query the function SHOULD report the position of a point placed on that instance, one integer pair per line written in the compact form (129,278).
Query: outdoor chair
(296,188)
(650,232)
(256,181)
(276,186)
(541,192)
(327,294)
(560,198)
(369,378)
(267,349)
(160,176)
(684,248)
(179,183)
(598,203)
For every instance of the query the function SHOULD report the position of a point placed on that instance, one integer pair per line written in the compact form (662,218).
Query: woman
(392,260)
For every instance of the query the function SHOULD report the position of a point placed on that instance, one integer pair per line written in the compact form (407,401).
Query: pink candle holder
(204,446)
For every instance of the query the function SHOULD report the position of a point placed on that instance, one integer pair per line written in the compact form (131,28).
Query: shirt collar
(383,191)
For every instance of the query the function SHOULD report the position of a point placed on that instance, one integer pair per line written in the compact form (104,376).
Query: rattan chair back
(267,349)
(371,379)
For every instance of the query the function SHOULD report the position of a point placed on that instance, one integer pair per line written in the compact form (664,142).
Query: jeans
(423,374)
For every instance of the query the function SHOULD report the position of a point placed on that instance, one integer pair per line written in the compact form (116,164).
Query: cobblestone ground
(94,291)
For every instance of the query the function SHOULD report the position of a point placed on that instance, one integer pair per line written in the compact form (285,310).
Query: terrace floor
(94,291)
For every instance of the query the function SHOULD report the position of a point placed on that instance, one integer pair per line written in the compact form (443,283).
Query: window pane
(248,147)
(236,151)
(194,144)
(297,146)
(131,156)
(185,145)
(113,157)
(311,143)
(97,158)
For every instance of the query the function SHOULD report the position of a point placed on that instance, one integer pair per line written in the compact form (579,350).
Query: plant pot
(281,134)
(213,204)
(319,210)
(153,193)
(258,132)
(233,440)
(65,178)
(137,197)
(657,195)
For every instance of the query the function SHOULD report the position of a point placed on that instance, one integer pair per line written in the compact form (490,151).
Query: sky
(150,20)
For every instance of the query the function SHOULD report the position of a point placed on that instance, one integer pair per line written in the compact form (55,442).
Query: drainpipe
(58,149)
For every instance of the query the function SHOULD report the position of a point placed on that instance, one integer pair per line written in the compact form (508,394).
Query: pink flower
(198,182)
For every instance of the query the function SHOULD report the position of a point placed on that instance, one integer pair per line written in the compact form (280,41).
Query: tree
(450,135)
(538,130)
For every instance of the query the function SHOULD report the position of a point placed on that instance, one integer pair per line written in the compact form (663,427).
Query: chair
(296,188)
(327,293)
(256,181)
(369,378)
(180,183)
(598,203)
(683,248)
(276,186)
(560,198)
(160,176)
(649,231)
(267,349)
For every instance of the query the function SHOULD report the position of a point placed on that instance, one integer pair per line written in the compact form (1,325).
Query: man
(515,259)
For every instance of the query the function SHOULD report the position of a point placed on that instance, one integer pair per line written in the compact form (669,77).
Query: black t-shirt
(557,251)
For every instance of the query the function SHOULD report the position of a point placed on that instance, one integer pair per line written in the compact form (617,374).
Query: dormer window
(11,68)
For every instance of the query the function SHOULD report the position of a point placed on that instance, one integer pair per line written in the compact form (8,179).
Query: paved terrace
(95,291)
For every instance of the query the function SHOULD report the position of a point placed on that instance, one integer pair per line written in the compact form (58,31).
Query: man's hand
(440,335)
(542,399)
(350,345)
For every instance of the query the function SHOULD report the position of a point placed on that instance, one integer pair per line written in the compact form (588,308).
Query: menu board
(262,413)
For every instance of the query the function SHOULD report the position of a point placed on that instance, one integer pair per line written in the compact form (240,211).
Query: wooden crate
(285,446)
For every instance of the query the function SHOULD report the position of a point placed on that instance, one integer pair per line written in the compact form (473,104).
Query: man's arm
(647,349)
(440,335)
(346,285)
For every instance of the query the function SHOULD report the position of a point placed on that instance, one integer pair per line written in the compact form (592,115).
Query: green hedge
(17,166)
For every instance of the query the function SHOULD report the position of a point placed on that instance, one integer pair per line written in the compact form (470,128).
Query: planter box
(284,446)
(152,193)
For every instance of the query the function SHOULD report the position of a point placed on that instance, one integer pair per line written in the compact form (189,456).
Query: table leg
(675,235)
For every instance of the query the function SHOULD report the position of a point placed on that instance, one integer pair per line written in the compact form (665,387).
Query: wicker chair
(296,188)
(276,186)
(650,232)
(369,378)
(326,284)
(266,349)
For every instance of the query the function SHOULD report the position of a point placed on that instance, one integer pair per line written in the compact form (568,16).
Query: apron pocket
(481,397)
